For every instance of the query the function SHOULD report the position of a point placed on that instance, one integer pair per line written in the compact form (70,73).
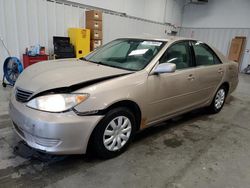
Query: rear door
(209,70)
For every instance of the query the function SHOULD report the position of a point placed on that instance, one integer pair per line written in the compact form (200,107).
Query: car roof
(172,39)
(167,39)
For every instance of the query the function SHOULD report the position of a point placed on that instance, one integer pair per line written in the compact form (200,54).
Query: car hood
(49,75)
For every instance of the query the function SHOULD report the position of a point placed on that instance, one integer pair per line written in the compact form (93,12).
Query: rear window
(204,55)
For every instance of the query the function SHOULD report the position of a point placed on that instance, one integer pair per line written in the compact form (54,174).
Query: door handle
(220,70)
(190,77)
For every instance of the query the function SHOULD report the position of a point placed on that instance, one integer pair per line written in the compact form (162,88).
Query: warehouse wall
(116,27)
(217,22)
(158,10)
(29,22)
(218,14)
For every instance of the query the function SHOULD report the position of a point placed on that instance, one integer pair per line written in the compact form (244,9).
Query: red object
(29,60)
(42,51)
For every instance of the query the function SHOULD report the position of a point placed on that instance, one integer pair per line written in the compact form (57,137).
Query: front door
(170,93)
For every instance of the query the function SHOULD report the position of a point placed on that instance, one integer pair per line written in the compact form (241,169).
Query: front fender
(102,95)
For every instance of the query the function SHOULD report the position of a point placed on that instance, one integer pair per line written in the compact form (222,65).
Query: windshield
(128,54)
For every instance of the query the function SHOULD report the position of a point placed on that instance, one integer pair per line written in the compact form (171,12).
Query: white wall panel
(220,38)
(3,53)
(22,25)
(75,16)
(134,8)
(29,22)
(68,17)
(116,27)
(174,11)
(51,20)
(81,16)
(148,9)
(117,5)
(32,10)
(42,23)
(59,16)
(11,29)
(218,14)
(155,10)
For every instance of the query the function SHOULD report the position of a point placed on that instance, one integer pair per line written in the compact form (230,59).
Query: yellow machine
(80,38)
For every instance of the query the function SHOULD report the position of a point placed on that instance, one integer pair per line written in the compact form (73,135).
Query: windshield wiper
(101,63)
(115,66)
(96,62)
(83,58)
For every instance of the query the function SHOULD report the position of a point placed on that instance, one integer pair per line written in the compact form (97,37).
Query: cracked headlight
(57,102)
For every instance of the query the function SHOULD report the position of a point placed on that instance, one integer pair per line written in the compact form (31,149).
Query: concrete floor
(195,150)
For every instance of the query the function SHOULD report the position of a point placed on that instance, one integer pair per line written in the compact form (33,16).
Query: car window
(118,52)
(203,55)
(128,54)
(178,54)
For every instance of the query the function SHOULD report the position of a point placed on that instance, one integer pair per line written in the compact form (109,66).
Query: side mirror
(165,68)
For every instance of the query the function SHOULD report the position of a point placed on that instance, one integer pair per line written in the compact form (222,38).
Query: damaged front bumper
(56,133)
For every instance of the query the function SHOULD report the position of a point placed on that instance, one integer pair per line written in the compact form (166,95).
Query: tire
(113,134)
(218,101)
(4,84)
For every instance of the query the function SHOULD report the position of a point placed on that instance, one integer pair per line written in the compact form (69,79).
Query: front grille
(22,95)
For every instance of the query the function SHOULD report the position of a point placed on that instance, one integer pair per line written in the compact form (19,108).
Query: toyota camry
(102,100)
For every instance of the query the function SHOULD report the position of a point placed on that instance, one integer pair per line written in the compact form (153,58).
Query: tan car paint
(62,73)
(159,97)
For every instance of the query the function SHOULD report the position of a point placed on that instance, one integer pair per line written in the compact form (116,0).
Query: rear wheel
(219,100)
(113,134)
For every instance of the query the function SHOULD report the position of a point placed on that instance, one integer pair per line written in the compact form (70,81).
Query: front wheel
(219,100)
(4,84)
(113,134)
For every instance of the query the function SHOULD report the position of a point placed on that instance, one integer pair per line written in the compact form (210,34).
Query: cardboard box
(94,25)
(96,34)
(95,44)
(94,15)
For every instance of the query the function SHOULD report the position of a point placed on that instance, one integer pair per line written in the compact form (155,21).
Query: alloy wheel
(220,98)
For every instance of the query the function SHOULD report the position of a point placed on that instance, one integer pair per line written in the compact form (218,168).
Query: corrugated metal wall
(116,26)
(220,38)
(29,22)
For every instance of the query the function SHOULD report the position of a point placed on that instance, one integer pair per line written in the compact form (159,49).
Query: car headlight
(57,102)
